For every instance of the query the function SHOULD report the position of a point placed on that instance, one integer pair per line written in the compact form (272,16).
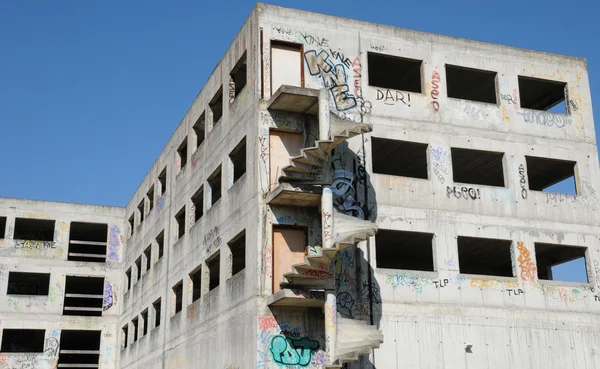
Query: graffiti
(414,280)
(344,193)
(391,98)
(435,89)
(212,239)
(192,215)
(508,98)
(318,274)
(310,40)
(439,172)
(345,301)
(55,292)
(450,263)
(283,31)
(515,98)
(266,322)
(390,182)
(527,266)
(573,104)
(114,243)
(264,153)
(441,283)
(597,273)
(522,181)
(285,219)
(505,116)
(290,351)
(463,192)
(514,292)
(51,346)
(30,244)
(439,154)
(545,119)
(334,78)
(109,298)
(380,48)
(499,194)
(231,90)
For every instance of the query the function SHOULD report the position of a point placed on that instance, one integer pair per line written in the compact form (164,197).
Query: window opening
(83,296)
(404,250)
(22,340)
(238,160)
(87,242)
(485,256)
(160,242)
(237,78)
(162,179)
(150,197)
(182,154)
(148,257)
(198,201)
(36,284)
(388,71)
(156,307)
(471,84)
(34,229)
(178,296)
(214,181)
(551,175)
(214,270)
(237,246)
(216,106)
(478,167)
(180,222)
(542,94)
(561,262)
(79,349)
(200,129)
(399,158)
(196,279)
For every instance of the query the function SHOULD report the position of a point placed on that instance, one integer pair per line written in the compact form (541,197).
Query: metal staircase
(347,338)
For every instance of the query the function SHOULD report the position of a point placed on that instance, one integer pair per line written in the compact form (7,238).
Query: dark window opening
(36,284)
(180,221)
(550,260)
(34,229)
(238,78)
(478,167)
(128,279)
(87,242)
(150,197)
(237,246)
(79,347)
(542,94)
(196,278)
(543,174)
(404,250)
(485,256)
(83,296)
(214,181)
(131,224)
(399,158)
(213,271)
(125,336)
(198,201)
(182,154)
(156,308)
(141,210)
(216,106)
(162,179)
(2,227)
(199,130)
(238,160)
(148,256)
(178,293)
(23,340)
(138,266)
(160,242)
(134,323)
(144,316)
(387,71)
(471,84)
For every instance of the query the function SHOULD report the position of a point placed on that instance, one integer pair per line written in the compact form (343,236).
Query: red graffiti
(266,322)
(357,69)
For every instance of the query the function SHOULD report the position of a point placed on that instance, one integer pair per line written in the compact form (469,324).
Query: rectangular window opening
(182,154)
(83,296)
(128,279)
(150,197)
(196,279)
(404,250)
(485,256)
(216,106)
(180,219)
(156,311)
(198,201)
(238,160)
(141,210)
(144,316)
(79,348)
(551,175)
(561,262)
(135,324)
(471,84)
(214,271)
(200,129)
(138,266)
(214,181)
(22,340)
(124,336)
(542,94)
(35,284)
(162,179)
(160,243)
(131,222)
(237,246)
(399,158)
(238,78)
(178,296)
(34,229)
(87,242)
(2,227)
(478,167)
(388,71)
(287,64)
(148,257)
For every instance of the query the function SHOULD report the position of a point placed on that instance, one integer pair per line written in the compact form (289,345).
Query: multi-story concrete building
(338,192)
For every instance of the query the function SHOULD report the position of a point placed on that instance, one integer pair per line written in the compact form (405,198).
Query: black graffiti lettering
(334,78)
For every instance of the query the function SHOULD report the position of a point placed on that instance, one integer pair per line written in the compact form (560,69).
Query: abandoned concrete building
(339,193)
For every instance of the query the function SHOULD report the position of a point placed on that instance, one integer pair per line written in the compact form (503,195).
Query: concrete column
(324,122)
(330,325)
(327,217)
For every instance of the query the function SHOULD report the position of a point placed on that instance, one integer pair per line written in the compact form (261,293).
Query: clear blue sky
(90,91)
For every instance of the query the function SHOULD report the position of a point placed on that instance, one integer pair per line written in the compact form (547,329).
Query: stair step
(308,271)
(316,152)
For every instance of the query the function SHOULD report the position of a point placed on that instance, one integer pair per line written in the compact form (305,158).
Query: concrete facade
(287,171)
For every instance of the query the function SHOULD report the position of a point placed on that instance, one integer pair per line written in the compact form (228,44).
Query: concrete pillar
(330,325)
(324,122)
(327,217)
